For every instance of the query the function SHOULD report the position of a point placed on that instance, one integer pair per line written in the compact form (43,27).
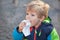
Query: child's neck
(37,25)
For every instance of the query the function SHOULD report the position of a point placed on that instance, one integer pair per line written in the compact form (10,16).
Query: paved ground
(11,15)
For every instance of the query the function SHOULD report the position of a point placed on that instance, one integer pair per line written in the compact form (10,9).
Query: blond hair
(40,7)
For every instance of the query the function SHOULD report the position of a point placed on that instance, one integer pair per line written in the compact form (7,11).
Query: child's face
(32,17)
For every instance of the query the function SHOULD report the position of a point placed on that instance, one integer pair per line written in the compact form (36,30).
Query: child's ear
(41,19)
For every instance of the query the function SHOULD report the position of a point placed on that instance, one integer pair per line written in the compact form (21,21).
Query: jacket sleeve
(53,35)
(17,35)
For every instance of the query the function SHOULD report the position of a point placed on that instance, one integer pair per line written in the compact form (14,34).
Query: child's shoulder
(47,24)
(47,28)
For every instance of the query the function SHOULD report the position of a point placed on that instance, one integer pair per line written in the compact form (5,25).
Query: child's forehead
(31,11)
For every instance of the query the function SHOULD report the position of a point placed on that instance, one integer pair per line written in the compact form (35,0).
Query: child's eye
(27,14)
(33,15)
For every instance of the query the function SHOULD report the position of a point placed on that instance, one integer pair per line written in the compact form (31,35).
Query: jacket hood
(47,20)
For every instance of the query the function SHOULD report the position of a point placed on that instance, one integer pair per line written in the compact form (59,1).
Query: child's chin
(32,25)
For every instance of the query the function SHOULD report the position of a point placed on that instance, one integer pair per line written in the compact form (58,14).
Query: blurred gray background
(12,12)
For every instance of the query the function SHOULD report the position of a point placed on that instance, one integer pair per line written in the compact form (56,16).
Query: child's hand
(21,26)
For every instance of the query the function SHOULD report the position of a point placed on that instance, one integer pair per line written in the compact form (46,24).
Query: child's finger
(23,24)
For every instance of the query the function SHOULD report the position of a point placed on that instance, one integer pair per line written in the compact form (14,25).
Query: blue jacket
(45,31)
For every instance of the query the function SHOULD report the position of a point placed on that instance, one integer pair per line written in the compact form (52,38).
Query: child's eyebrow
(26,12)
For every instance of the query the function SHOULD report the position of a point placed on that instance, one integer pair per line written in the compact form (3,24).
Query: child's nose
(28,18)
